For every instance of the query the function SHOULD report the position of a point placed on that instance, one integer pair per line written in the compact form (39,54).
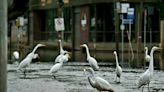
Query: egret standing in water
(97,82)
(147,57)
(118,68)
(92,61)
(146,77)
(59,64)
(27,60)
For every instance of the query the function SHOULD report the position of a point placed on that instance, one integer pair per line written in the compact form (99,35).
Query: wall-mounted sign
(59,24)
(124,7)
(21,21)
(84,21)
(130,11)
(127,21)
(122,27)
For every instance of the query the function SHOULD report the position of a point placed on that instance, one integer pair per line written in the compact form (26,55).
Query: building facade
(104,25)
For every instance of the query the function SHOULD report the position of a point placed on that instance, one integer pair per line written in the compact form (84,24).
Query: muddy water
(73,79)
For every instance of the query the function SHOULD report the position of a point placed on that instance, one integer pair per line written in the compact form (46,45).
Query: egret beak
(159,49)
(81,46)
(68,52)
(43,45)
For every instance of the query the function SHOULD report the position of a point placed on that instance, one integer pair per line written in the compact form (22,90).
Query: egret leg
(148,88)
(54,76)
(119,79)
(24,73)
(116,78)
(142,88)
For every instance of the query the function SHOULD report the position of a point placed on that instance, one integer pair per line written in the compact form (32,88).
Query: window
(45,25)
(50,32)
(151,24)
(102,23)
(68,25)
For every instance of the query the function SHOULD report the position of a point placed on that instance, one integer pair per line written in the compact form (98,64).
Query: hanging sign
(59,24)
(124,7)
(130,13)
(84,21)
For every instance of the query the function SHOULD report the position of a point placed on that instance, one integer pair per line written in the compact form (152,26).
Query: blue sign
(127,21)
(130,16)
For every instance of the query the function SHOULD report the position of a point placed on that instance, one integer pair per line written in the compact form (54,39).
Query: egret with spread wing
(27,60)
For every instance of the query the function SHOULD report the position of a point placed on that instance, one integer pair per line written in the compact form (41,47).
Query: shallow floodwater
(72,79)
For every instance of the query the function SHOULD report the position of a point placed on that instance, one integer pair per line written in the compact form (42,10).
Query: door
(84,24)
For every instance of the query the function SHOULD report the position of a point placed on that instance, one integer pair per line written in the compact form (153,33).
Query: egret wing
(144,79)
(103,84)
(93,63)
(55,67)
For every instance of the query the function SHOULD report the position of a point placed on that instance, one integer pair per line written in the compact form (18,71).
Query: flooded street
(71,78)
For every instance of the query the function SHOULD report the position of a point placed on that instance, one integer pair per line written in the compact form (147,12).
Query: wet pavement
(71,78)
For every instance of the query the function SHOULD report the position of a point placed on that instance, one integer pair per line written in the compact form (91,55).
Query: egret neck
(146,51)
(151,64)
(61,47)
(87,50)
(91,81)
(116,59)
(36,47)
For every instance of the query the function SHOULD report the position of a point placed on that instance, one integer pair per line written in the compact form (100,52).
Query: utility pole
(3,46)
(117,25)
(139,35)
(162,45)
(60,4)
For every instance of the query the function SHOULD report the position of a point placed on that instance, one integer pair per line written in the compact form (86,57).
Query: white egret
(27,60)
(118,68)
(59,64)
(62,52)
(57,60)
(92,61)
(99,83)
(16,56)
(146,77)
(147,57)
